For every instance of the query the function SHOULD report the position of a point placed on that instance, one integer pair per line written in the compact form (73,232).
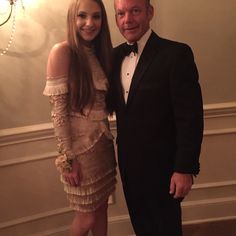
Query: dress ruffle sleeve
(57,90)
(56,86)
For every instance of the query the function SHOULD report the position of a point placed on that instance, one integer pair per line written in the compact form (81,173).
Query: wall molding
(121,219)
(31,133)
(39,216)
(125,218)
(219,131)
(208,220)
(219,110)
(56,212)
(63,229)
(211,201)
(26,134)
(50,155)
(44,131)
(27,159)
(214,184)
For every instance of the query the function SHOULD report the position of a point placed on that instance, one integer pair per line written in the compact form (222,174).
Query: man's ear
(150,12)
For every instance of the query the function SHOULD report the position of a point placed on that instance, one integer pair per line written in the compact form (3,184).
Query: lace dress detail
(87,138)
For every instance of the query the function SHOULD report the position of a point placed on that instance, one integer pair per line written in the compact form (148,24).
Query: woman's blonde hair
(81,86)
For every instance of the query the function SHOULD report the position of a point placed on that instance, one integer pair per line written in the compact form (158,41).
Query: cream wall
(206,25)
(32,201)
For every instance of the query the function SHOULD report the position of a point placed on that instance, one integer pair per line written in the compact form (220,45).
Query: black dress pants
(152,215)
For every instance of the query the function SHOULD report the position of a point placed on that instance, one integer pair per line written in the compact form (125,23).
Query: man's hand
(74,177)
(180,184)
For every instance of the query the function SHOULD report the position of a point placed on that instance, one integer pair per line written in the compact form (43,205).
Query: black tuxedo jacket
(160,128)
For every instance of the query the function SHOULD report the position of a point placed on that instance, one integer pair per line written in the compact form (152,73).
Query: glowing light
(30,3)
(4,6)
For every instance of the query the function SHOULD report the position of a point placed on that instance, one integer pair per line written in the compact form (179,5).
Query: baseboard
(209,220)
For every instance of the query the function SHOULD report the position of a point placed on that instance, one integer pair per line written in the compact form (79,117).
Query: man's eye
(136,11)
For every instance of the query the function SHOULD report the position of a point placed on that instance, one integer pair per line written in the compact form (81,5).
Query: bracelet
(70,156)
(63,164)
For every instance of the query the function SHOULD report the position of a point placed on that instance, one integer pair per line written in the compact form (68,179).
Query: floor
(220,228)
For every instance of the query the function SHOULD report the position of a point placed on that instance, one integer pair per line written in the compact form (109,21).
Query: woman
(77,85)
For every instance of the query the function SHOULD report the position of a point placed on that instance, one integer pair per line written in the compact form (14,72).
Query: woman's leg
(100,224)
(82,223)
(95,221)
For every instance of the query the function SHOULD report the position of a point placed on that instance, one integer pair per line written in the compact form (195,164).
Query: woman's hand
(74,176)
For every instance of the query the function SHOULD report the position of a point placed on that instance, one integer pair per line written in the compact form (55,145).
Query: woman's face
(89,20)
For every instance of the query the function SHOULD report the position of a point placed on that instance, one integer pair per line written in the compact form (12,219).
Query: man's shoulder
(173,45)
(174,50)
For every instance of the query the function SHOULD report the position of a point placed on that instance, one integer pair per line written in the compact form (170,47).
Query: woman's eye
(97,17)
(120,14)
(83,16)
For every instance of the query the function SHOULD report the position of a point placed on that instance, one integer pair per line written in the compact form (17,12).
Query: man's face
(133,18)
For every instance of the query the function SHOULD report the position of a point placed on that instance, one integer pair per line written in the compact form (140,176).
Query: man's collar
(143,40)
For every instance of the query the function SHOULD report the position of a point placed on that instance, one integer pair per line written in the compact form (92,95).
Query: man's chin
(130,38)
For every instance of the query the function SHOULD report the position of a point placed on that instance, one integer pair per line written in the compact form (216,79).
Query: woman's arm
(57,89)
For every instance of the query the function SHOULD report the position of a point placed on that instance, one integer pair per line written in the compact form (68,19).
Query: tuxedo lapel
(148,53)
(119,56)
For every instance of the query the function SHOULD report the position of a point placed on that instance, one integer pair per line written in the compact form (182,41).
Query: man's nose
(128,17)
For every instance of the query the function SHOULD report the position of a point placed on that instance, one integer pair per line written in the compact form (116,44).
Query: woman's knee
(102,209)
(86,220)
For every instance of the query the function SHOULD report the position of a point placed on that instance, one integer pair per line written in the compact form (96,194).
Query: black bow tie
(128,48)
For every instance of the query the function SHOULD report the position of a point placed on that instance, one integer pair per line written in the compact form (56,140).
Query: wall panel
(33,201)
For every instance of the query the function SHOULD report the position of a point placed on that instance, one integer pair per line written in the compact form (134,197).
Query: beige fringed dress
(86,137)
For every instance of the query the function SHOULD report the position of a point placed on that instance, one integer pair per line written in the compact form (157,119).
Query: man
(158,105)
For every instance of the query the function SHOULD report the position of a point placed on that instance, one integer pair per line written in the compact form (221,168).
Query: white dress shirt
(129,64)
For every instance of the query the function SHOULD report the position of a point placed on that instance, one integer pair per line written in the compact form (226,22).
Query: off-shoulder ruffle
(56,86)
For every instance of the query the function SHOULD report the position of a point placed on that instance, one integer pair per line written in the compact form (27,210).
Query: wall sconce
(11,2)
(12,14)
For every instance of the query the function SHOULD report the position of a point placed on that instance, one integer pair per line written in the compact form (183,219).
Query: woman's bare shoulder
(60,50)
(59,60)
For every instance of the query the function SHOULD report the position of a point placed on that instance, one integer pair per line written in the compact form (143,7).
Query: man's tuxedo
(159,129)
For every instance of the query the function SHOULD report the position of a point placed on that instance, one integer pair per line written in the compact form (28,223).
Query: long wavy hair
(81,87)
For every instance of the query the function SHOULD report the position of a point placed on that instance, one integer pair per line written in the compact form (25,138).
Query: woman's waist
(83,143)
(90,115)
(82,127)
